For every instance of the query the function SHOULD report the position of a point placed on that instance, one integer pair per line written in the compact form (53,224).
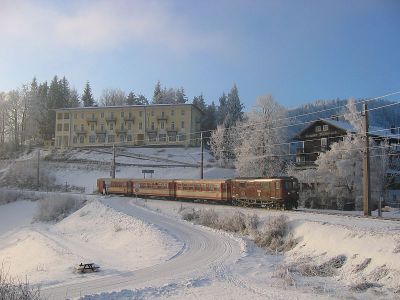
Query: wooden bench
(82,268)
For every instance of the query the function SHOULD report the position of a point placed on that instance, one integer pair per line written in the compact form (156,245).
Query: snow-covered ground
(146,251)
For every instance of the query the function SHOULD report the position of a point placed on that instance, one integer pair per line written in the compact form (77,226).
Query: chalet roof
(346,126)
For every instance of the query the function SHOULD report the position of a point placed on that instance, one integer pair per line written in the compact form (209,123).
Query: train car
(281,192)
(218,190)
(114,186)
(153,187)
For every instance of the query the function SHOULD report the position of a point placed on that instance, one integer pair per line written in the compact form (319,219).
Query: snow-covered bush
(275,235)
(14,289)
(24,175)
(325,269)
(7,196)
(57,207)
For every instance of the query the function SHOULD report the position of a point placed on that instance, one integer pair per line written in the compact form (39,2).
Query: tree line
(27,113)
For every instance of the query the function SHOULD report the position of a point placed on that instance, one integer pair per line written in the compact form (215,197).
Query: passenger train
(277,192)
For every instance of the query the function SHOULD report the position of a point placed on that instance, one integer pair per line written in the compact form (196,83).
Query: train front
(290,190)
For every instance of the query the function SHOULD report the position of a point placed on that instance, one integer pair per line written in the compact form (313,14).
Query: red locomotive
(278,192)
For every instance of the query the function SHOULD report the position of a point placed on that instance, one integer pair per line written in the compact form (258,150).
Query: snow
(94,233)
(146,251)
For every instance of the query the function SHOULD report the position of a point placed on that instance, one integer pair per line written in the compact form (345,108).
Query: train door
(172,189)
(129,190)
(101,186)
(273,189)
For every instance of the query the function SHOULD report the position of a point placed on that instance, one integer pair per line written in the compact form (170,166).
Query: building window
(129,138)
(152,137)
(162,125)
(92,127)
(181,137)
(182,112)
(172,125)
(162,114)
(66,127)
(82,127)
(172,137)
(129,126)
(66,116)
(75,127)
(81,139)
(102,114)
(111,138)
(183,124)
(59,127)
(152,125)
(59,116)
(325,128)
(122,127)
(162,137)
(122,138)
(74,139)
(122,114)
(92,139)
(140,125)
(111,126)
(172,112)
(324,142)
(101,138)
(318,128)
(102,127)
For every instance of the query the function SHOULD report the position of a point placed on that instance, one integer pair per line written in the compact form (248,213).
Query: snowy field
(146,250)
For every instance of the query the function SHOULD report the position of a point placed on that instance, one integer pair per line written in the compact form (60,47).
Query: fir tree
(180,96)
(142,100)
(157,95)
(131,99)
(74,98)
(87,98)
(222,109)
(199,102)
(235,108)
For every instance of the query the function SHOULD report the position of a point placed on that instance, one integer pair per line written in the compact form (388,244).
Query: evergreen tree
(210,119)
(235,108)
(65,92)
(74,98)
(157,95)
(131,99)
(87,98)
(142,100)
(180,96)
(222,109)
(200,103)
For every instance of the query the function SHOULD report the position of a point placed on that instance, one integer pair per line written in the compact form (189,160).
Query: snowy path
(204,251)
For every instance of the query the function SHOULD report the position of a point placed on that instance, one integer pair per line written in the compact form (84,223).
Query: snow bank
(46,253)
(370,256)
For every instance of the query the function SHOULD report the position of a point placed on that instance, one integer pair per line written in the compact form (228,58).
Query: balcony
(119,131)
(91,119)
(128,119)
(300,150)
(80,132)
(111,119)
(101,131)
(162,117)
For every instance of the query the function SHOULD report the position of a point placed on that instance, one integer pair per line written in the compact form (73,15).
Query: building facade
(160,124)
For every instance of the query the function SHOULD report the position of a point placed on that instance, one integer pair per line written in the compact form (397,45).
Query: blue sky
(298,51)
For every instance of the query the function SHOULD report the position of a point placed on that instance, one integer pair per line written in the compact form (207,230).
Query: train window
(242,184)
(278,185)
(203,187)
(265,185)
(288,185)
(185,186)
(198,187)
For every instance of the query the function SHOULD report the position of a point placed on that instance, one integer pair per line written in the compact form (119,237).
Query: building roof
(346,126)
(127,106)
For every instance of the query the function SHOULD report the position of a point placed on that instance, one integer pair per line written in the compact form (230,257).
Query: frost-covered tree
(259,151)
(180,96)
(113,97)
(217,144)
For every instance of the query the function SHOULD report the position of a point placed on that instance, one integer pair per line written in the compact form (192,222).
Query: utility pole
(38,170)
(113,163)
(202,156)
(366,169)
